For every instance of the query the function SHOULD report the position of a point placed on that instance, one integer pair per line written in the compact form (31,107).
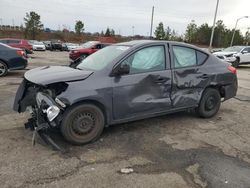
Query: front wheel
(236,63)
(210,103)
(82,124)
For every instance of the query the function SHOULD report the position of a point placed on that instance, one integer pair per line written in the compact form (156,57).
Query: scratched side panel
(189,83)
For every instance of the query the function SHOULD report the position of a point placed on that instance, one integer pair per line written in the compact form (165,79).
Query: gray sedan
(124,82)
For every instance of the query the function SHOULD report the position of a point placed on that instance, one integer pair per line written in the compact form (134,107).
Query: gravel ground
(178,150)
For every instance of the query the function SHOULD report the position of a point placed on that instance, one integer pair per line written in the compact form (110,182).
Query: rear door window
(186,57)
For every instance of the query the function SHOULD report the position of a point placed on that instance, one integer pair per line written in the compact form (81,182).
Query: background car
(47,45)
(18,43)
(231,59)
(241,53)
(38,46)
(86,49)
(69,46)
(11,59)
(56,45)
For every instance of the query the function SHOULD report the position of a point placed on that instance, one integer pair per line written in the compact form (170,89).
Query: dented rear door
(190,76)
(147,89)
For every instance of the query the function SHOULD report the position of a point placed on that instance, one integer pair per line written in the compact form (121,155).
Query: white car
(237,55)
(69,46)
(38,46)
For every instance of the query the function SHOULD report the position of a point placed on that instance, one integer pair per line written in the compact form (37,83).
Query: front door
(245,57)
(147,88)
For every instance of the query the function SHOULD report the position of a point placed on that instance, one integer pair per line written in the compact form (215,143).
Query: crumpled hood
(224,53)
(52,74)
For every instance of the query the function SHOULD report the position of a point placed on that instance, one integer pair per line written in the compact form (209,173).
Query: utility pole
(133,31)
(152,21)
(247,35)
(1,20)
(212,34)
(231,44)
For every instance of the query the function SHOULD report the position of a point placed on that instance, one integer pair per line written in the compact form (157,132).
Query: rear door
(189,75)
(146,89)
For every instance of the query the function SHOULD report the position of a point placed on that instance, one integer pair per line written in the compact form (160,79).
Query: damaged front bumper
(45,111)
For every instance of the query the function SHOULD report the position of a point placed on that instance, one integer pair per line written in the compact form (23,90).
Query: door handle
(160,79)
(204,76)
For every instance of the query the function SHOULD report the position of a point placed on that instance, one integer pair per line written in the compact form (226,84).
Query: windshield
(233,49)
(89,44)
(102,58)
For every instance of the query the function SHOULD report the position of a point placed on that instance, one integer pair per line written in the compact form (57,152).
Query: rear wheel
(82,124)
(3,68)
(210,103)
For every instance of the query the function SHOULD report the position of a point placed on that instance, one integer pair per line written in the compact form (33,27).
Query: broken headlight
(47,105)
(52,112)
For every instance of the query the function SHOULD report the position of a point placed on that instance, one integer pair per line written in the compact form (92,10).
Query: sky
(124,15)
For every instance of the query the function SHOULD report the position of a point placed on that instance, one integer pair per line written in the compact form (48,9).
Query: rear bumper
(230,91)
(19,65)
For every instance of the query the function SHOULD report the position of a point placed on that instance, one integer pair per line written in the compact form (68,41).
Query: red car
(86,49)
(18,43)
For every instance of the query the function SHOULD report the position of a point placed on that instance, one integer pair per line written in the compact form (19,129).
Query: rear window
(14,41)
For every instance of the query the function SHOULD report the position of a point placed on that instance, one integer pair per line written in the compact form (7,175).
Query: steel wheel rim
(83,124)
(210,103)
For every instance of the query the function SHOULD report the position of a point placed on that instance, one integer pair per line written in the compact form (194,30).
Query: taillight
(20,52)
(232,69)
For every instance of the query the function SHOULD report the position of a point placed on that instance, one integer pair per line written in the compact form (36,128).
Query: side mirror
(121,70)
(244,52)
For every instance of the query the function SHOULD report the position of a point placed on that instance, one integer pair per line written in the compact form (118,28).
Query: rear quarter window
(201,57)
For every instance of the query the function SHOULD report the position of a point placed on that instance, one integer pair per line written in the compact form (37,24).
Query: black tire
(82,124)
(236,63)
(3,68)
(209,103)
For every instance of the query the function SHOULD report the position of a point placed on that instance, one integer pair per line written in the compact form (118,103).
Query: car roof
(135,43)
